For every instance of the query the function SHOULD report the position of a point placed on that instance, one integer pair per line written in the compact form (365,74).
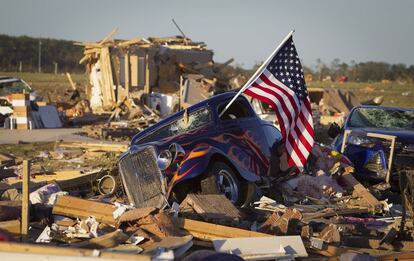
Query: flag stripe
(281,85)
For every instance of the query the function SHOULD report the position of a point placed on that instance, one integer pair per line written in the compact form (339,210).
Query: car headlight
(173,156)
(361,141)
(164,159)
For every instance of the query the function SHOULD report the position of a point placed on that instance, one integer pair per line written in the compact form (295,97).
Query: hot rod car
(195,150)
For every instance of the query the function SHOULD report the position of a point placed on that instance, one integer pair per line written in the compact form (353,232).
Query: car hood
(404,136)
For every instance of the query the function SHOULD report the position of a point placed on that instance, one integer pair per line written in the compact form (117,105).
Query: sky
(248,31)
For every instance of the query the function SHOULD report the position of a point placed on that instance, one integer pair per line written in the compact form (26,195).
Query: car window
(16,86)
(239,109)
(382,118)
(193,121)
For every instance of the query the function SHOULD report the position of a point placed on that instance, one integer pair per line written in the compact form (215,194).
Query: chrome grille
(142,179)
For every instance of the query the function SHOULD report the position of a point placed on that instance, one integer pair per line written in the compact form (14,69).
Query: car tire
(221,179)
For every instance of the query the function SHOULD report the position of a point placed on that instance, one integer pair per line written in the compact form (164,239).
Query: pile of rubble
(325,212)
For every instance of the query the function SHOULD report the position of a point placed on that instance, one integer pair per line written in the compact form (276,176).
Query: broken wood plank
(6,160)
(361,192)
(72,84)
(96,146)
(81,208)
(36,250)
(307,217)
(108,240)
(66,179)
(207,231)
(135,214)
(11,226)
(25,198)
(211,207)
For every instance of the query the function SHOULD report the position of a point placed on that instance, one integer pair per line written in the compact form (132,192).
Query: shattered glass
(185,123)
(384,118)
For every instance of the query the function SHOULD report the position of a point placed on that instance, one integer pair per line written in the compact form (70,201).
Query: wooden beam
(361,192)
(127,69)
(109,36)
(96,146)
(72,84)
(147,88)
(25,198)
(208,231)
(81,208)
(31,249)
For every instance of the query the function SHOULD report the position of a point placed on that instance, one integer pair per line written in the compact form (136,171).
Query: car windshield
(383,118)
(13,86)
(195,119)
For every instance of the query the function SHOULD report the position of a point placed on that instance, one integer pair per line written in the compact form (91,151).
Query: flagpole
(256,74)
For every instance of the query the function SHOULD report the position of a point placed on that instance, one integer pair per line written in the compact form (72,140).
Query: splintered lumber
(211,207)
(65,179)
(96,146)
(108,240)
(72,84)
(207,231)
(361,192)
(58,253)
(307,217)
(6,159)
(25,198)
(11,226)
(81,208)
(109,36)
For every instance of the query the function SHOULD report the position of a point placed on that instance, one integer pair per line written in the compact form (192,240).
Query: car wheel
(221,179)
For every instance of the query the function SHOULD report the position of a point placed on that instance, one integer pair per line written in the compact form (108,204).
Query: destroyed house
(119,68)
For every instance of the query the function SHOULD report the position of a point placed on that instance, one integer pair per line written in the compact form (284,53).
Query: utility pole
(56,67)
(40,57)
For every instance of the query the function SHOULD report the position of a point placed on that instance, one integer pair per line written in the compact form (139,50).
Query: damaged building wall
(117,68)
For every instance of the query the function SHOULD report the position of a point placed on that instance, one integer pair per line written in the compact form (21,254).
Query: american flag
(281,84)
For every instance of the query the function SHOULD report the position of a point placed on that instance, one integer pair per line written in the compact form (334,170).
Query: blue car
(379,141)
(196,151)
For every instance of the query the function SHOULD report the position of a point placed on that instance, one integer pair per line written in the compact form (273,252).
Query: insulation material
(318,187)
(96,93)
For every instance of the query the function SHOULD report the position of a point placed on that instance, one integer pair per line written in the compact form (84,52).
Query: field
(55,86)
(395,94)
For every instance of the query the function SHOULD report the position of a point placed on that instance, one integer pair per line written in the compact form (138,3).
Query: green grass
(57,85)
(54,85)
(392,92)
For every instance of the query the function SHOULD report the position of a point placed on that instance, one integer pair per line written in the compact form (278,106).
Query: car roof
(383,107)
(212,100)
(8,79)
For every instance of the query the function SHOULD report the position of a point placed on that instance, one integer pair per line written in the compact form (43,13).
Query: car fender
(198,160)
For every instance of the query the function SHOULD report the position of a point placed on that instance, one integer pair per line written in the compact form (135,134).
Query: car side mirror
(334,130)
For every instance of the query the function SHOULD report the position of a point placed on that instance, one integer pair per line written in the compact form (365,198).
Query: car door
(240,129)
